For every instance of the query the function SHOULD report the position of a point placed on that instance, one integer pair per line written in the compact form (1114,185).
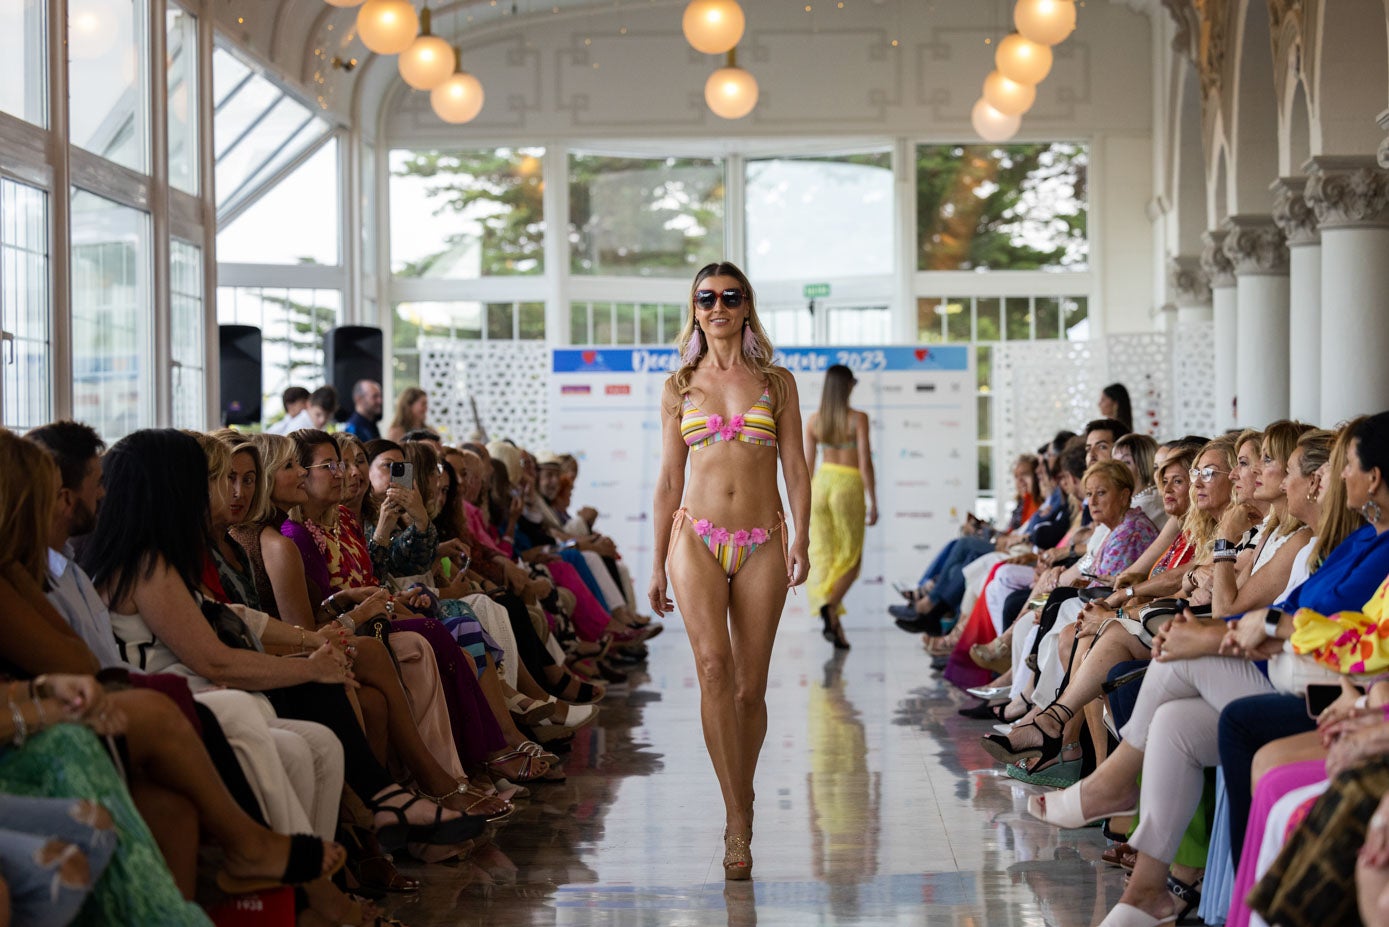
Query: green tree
(1002,207)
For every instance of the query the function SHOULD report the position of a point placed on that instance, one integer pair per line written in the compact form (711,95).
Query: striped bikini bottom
(730,548)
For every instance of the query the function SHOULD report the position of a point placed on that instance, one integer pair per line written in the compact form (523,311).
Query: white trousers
(1008,580)
(245,720)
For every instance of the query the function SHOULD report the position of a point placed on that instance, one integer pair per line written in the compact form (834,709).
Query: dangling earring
(749,341)
(1314,490)
(1371,511)
(694,348)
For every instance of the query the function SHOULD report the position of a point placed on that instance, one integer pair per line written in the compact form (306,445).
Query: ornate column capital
(1349,192)
(1220,271)
(1293,214)
(1256,246)
(1187,281)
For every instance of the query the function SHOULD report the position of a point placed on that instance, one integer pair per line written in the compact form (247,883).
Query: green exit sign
(816,290)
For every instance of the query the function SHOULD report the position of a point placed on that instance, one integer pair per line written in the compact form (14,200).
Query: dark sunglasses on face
(705,299)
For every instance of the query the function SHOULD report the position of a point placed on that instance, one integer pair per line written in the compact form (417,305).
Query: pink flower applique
(741,538)
(715,423)
(735,427)
(719,535)
(759,535)
(703,527)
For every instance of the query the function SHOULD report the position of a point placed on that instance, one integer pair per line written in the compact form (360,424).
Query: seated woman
(335,559)
(386,709)
(1140,454)
(149,573)
(171,776)
(1171,735)
(1109,489)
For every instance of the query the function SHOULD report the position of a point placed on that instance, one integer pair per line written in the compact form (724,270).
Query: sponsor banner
(605,409)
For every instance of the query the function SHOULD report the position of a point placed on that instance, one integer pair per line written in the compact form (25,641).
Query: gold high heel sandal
(737,857)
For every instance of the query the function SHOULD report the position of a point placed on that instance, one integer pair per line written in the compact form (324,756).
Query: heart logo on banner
(590,356)
(923,353)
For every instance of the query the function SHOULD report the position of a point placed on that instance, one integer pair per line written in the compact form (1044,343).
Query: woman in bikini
(838,513)
(732,414)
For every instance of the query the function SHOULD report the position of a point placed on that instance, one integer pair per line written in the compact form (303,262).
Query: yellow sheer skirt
(837,513)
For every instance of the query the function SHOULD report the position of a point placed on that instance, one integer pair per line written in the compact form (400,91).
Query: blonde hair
(1200,526)
(832,424)
(275,451)
(1117,474)
(1279,441)
(1337,522)
(29,483)
(238,443)
(760,359)
(1143,449)
(1245,437)
(217,454)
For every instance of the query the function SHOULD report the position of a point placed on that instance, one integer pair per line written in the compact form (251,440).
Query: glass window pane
(656,217)
(986,470)
(1002,207)
(1074,318)
(296,222)
(986,323)
(532,326)
(859,324)
(24,306)
(108,96)
(1018,318)
(626,331)
(292,324)
(24,60)
(986,425)
(182,37)
(578,323)
(648,320)
(187,345)
(930,320)
(461,215)
(957,319)
(499,317)
(812,218)
(1048,317)
(983,367)
(672,321)
(603,323)
(111,313)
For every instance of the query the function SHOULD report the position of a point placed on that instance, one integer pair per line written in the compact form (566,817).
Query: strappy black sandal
(438,833)
(305,864)
(1189,895)
(1001,748)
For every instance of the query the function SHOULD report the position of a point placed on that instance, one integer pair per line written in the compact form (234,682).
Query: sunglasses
(705,299)
(1205,474)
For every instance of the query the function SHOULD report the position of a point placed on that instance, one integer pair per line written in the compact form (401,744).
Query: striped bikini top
(755,426)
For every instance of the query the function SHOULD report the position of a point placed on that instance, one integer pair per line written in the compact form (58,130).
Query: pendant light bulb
(1023,60)
(1046,21)
(713,26)
(991,125)
(387,27)
(428,61)
(458,99)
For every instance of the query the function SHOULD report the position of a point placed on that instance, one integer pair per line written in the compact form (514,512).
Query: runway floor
(876,805)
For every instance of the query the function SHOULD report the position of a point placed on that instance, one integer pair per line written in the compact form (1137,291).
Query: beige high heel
(737,857)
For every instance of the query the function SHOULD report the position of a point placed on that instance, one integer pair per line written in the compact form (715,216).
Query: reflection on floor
(876,806)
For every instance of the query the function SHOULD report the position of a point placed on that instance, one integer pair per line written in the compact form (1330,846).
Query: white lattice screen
(1042,387)
(506,379)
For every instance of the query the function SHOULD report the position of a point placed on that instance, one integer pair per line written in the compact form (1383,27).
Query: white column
(1351,199)
(1259,252)
(1299,224)
(1189,288)
(1221,274)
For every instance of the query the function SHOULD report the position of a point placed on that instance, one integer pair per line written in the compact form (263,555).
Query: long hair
(1143,449)
(156,508)
(408,397)
(425,461)
(238,443)
(1034,485)
(1278,442)
(763,353)
(833,420)
(449,521)
(1337,522)
(1185,458)
(275,451)
(29,483)
(1198,525)
(1118,393)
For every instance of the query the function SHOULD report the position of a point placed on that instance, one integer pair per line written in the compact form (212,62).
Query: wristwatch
(1128,592)
(1225,551)
(1271,621)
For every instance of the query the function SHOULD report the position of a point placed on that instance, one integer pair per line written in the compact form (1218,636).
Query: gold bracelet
(301,640)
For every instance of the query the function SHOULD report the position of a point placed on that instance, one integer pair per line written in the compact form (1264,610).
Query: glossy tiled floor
(876,805)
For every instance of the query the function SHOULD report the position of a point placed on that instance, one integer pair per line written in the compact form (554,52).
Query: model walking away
(732,415)
(838,512)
